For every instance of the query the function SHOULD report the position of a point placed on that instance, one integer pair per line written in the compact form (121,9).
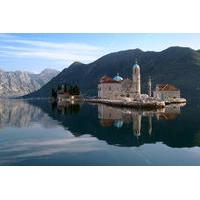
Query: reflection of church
(113,116)
(171,112)
(117,117)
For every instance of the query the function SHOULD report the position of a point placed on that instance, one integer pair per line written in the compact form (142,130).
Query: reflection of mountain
(15,113)
(179,132)
(112,125)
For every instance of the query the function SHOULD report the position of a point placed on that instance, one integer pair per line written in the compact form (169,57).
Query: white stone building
(166,92)
(117,87)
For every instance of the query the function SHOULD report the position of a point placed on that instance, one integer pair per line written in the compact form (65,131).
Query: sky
(34,52)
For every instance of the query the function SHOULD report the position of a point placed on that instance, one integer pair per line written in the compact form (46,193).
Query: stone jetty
(153,104)
(176,101)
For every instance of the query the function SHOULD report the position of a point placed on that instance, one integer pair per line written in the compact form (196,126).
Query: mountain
(19,83)
(47,74)
(176,65)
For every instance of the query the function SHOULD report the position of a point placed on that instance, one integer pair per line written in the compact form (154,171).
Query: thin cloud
(67,51)
(50,55)
(44,44)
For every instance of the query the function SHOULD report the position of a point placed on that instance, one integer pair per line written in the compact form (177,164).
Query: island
(119,91)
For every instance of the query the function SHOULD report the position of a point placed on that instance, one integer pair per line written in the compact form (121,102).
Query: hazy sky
(34,52)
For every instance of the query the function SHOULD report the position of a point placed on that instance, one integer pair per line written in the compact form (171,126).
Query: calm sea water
(39,133)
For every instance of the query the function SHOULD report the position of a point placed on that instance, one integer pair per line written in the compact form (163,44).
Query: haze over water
(39,133)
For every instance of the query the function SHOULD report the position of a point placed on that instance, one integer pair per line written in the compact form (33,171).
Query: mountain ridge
(19,83)
(175,65)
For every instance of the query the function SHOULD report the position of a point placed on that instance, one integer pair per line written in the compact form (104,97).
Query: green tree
(76,90)
(65,88)
(71,90)
(59,87)
(53,93)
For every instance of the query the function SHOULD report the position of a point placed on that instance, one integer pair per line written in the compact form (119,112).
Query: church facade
(117,87)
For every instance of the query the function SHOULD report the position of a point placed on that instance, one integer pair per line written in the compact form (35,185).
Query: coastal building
(109,88)
(63,96)
(66,93)
(128,91)
(118,87)
(166,92)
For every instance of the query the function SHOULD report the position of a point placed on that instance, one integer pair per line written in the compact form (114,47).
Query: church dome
(118,78)
(136,65)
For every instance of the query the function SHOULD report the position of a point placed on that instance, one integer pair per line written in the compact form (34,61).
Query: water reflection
(41,133)
(112,116)
(127,127)
(66,107)
(14,113)
(115,126)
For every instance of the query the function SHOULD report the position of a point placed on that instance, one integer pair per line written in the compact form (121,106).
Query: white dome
(136,65)
(118,78)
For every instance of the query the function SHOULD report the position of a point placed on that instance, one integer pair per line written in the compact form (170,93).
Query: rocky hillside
(176,65)
(19,83)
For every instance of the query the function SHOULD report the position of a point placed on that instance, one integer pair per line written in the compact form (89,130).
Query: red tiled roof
(107,79)
(166,87)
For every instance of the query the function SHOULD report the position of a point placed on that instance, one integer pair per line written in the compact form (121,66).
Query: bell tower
(136,80)
(149,87)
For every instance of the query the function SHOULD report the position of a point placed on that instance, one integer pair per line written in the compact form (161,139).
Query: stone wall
(109,90)
(127,87)
(167,95)
(116,90)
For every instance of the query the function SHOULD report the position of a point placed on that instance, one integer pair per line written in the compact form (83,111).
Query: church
(118,88)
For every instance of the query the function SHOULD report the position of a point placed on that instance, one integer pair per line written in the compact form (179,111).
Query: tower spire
(136,61)
(149,86)
(136,80)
